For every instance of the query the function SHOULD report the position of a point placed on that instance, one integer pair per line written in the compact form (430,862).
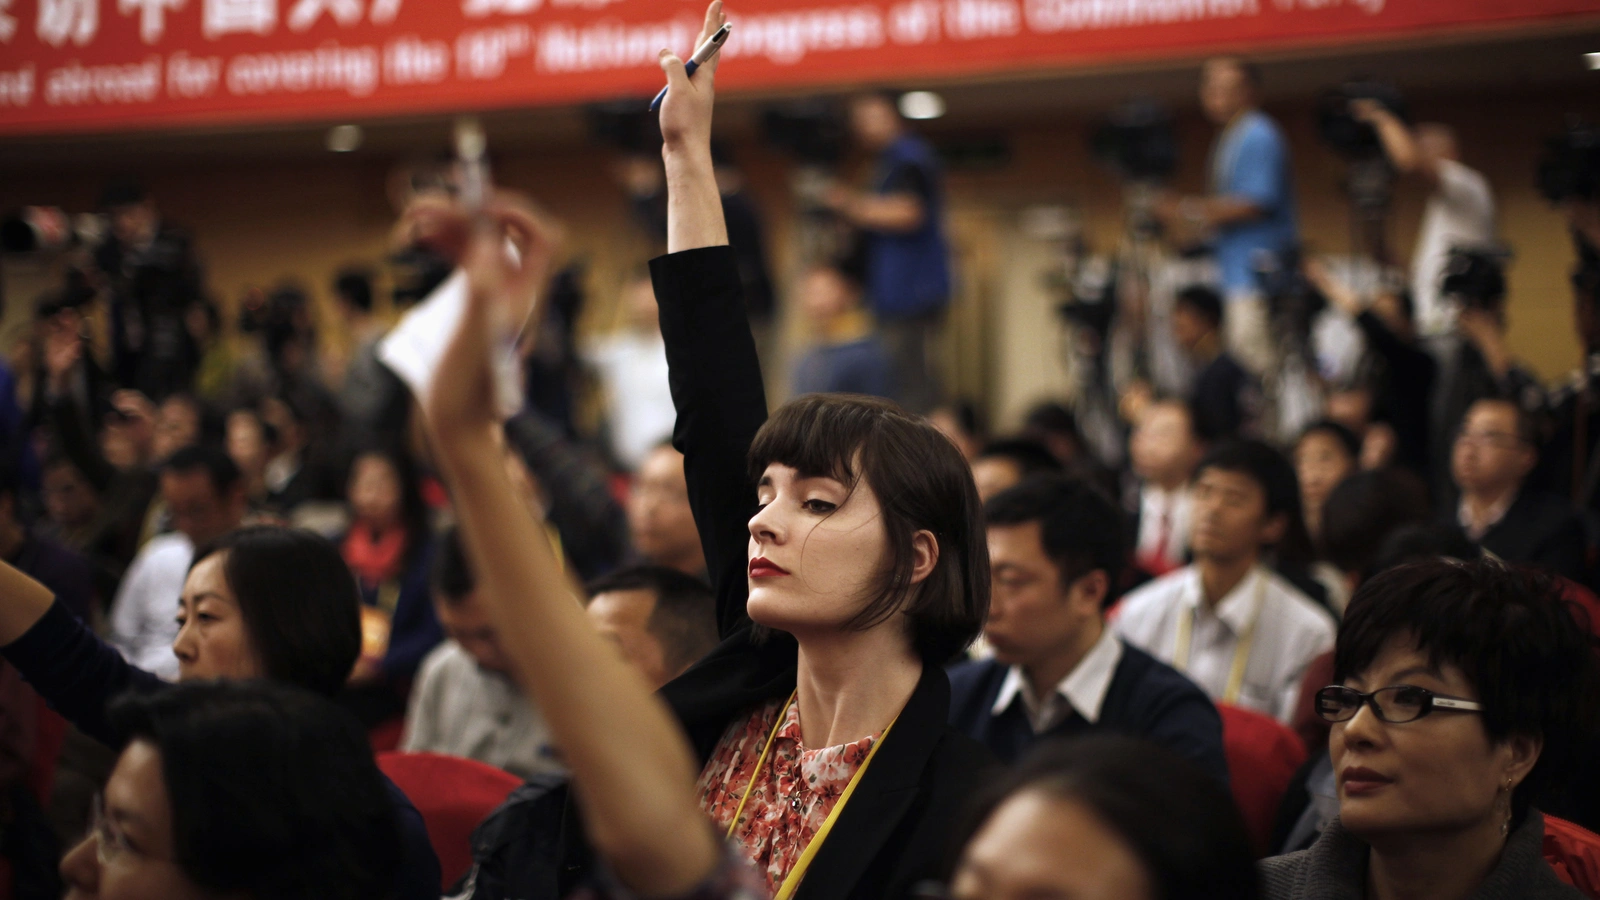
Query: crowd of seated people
(832,649)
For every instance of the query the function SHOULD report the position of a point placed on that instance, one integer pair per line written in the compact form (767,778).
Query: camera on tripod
(1475,278)
(1293,302)
(1570,166)
(1348,136)
(1137,142)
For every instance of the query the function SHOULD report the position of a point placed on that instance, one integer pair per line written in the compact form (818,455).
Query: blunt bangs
(921,481)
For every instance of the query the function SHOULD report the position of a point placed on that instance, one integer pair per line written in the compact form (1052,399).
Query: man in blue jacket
(1056,547)
(901,219)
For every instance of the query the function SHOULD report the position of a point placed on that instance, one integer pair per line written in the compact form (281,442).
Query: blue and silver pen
(702,55)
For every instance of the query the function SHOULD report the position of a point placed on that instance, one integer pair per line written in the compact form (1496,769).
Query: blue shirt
(1251,162)
(908,273)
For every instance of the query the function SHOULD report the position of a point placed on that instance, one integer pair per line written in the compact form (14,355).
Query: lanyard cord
(798,872)
(1241,650)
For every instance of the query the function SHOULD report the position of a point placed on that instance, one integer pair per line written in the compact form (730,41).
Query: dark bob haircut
(275,794)
(300,604)
(1528,653)
(1179,821)
(1079,526)
(922,483)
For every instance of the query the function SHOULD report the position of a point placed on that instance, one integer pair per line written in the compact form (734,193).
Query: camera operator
(1569,464)
(154,278)
(908,260)
(1478,364)
(1460,210)
(1251,207)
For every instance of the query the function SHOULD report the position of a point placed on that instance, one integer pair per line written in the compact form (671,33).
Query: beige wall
(256,223)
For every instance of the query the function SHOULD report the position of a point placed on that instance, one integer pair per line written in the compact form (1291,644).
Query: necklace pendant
(794,803)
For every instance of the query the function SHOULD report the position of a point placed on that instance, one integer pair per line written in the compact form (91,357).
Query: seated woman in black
(237,790)
(1462,692)
(843,538)
(260,602)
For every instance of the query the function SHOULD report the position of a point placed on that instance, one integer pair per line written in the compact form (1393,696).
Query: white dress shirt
(1286,629)
(1083,690)
(1159,510)
(144,615)
(1460,213)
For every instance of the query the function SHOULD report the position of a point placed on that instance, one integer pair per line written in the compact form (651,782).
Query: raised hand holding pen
(707,50)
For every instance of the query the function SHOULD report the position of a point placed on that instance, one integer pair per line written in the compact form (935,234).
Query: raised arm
(632,769)
(715,376)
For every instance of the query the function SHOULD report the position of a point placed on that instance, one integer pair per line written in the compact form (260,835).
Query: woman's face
(1438,773)
(375,492)
(129,855)
(212,639)
(1037,846)
(1321,462)
(816,549)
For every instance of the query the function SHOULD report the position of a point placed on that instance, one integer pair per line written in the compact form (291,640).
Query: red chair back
(453,795)
(1263,755)
(1574,853)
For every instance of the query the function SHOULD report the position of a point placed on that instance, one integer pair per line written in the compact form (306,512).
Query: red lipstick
(761,567)
(1358,781)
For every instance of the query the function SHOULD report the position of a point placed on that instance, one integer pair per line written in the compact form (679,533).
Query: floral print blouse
(793,795)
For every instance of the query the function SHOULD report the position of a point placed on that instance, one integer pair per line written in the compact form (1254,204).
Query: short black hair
(452,575)
(1275,475)
(1204,301)
(1527,427)
(122,192)
(1528,653)
(684,619)
(1051,418)
(922,482)
(1364,509)
(1347,439)
(354,286)
(1081,529)
(1423,541)
(275,794)
(300,603)
(1031,456)
(222,471)
(1182,824)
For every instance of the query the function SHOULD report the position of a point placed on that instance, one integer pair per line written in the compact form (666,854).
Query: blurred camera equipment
(1293,301)
(1138,143)
(623,126)
(1569,169)
(1475,278)
(33,229)
(1369,178)
(815,133)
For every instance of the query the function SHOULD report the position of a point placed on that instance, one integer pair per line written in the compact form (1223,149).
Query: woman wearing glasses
(1462,691)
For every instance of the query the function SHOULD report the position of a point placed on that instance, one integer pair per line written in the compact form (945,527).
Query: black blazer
(1542,530)
(897,828)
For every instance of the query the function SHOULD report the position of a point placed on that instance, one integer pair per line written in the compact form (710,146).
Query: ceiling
(1487,63)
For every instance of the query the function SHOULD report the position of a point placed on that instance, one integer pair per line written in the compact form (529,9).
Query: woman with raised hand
(260,602)
(842,536)
(1461,692)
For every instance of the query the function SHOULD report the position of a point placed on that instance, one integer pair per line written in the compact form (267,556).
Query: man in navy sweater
(1056,546)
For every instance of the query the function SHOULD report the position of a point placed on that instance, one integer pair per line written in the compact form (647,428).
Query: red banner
(74,65)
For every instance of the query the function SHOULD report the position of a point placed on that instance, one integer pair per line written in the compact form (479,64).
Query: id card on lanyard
(797,873)
(1241,650)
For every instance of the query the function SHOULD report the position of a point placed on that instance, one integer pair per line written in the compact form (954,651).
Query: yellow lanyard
(798,872)
(1241,650)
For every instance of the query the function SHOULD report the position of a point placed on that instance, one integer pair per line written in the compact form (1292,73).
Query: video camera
(1570,166)
(1352,139)
(813,131)
(1475,278)
(1137,141)
(1293,302)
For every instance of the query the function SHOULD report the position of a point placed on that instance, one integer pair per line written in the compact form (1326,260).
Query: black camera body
(1293,302)
(1569,169)
(1475,277)
(1137,141)
(1352,139)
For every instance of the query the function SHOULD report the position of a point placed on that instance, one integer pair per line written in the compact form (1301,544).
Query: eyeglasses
(1396,705)
(109,841)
